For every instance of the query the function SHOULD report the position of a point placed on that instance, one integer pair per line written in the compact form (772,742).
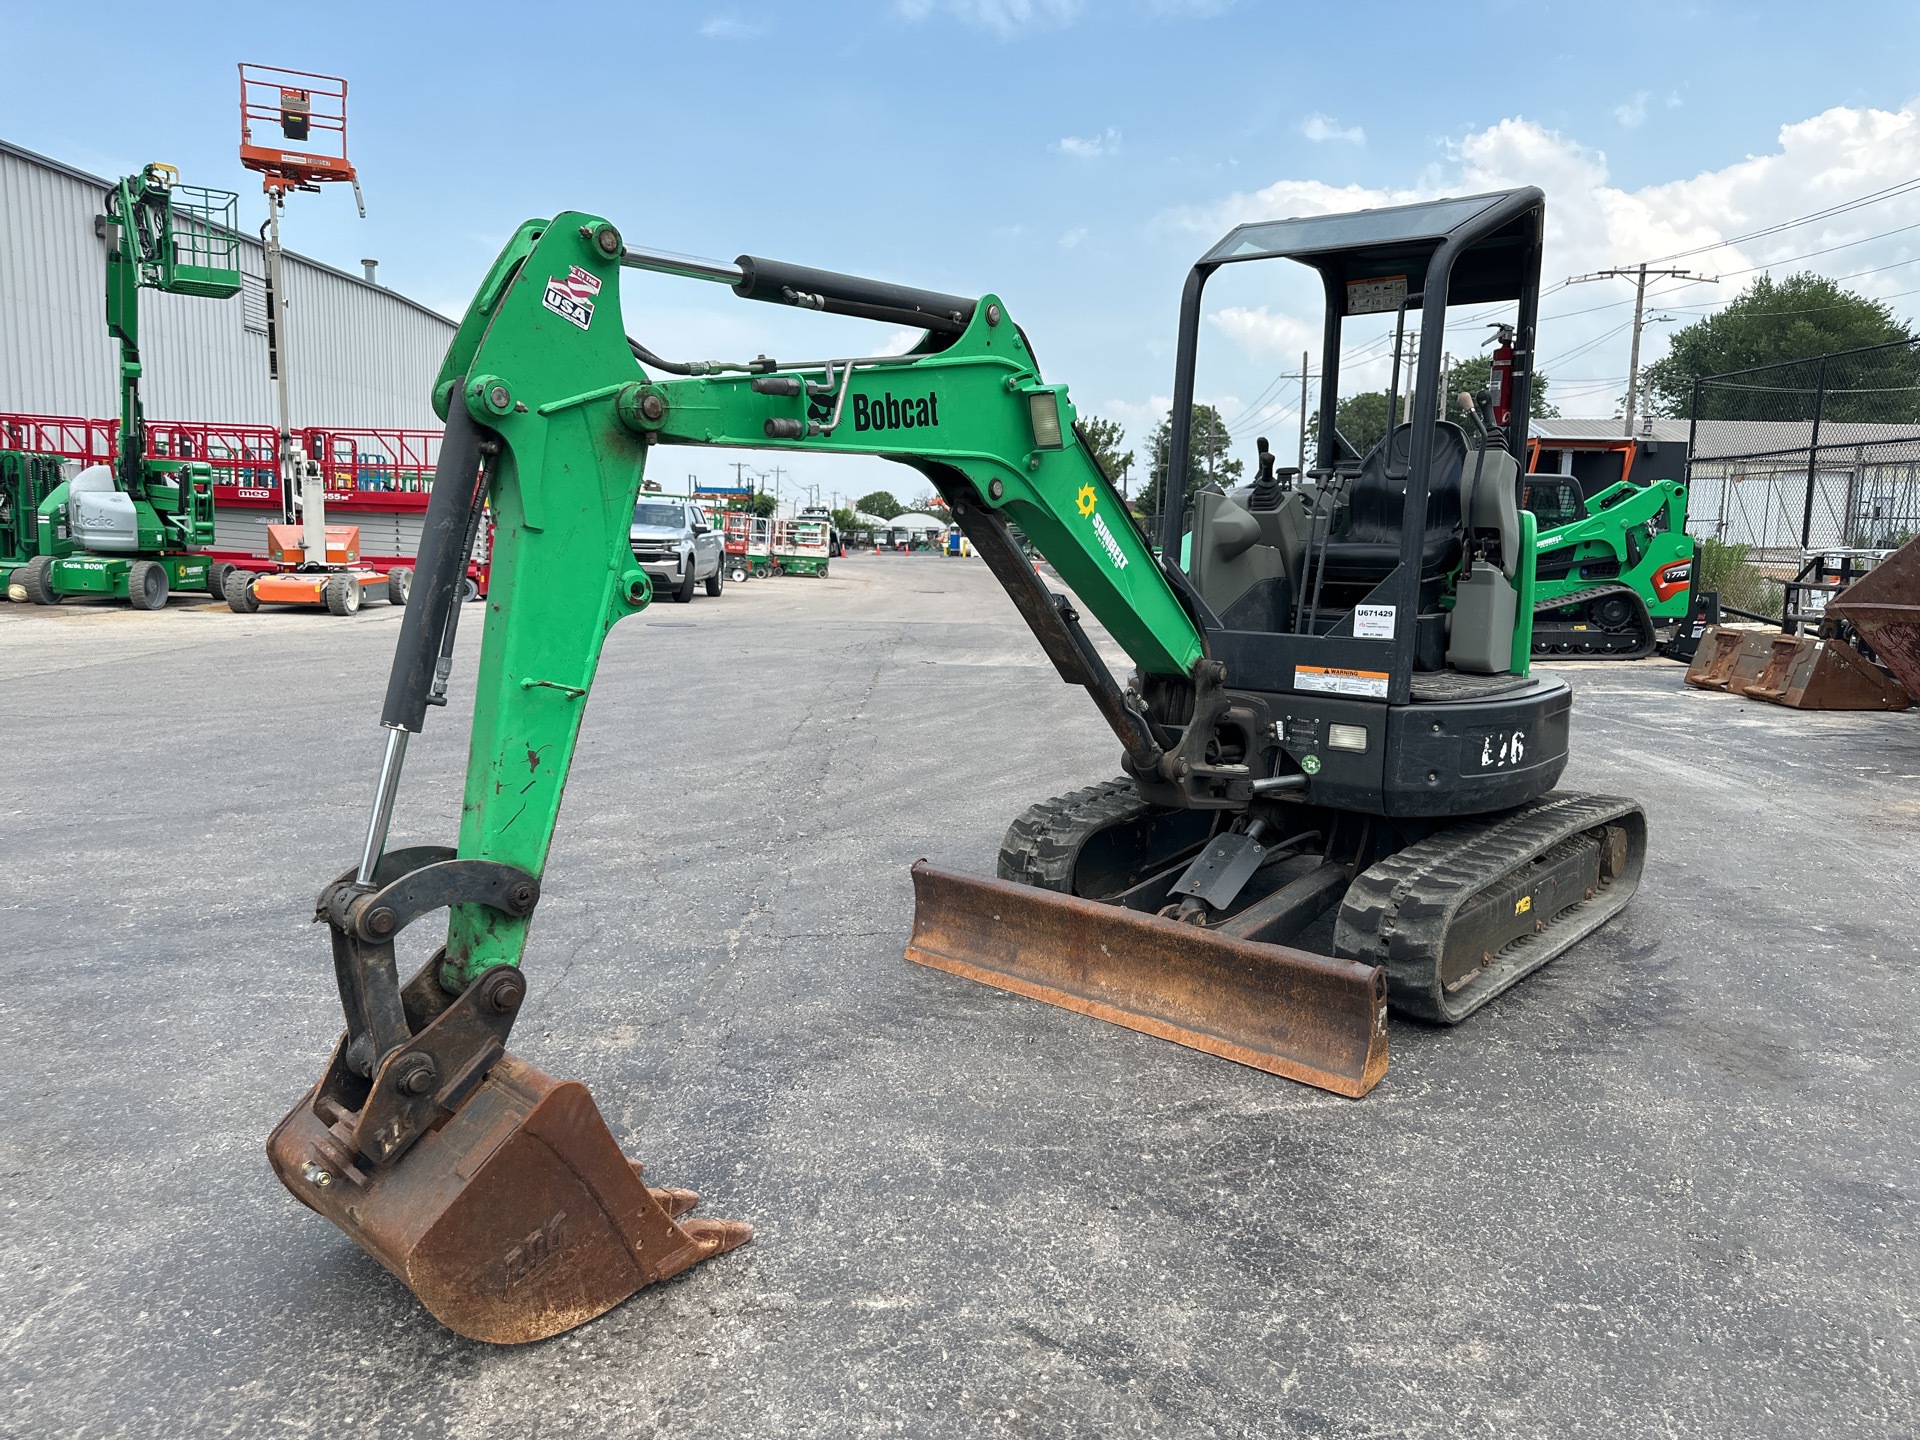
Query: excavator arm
(496,1193)
(543,378)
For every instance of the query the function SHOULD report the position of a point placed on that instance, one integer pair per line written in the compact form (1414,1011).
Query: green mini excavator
(1331,717)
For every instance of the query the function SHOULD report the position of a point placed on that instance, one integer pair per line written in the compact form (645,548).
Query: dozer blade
(517,1219)
(1809,672)
(1884,607)
(1308,1017)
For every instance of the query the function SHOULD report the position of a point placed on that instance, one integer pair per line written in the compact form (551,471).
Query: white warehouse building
(359,355)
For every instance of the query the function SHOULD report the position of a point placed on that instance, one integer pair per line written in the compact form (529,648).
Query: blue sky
(1071,155)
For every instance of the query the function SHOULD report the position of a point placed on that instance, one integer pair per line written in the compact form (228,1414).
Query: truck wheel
(684,595)
(217,574)
(399,585)
(36,578)
(716,579)
(342,594)
(147,585)
(239,591)
(469,590)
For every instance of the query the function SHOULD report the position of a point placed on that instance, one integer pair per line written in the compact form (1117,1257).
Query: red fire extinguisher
(1500,381)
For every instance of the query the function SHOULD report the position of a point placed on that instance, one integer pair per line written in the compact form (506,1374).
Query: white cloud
(1322,128)
(1632,113)
(1082,148)
(1074,238)
(728,27)
(1592,224)
(1003,17)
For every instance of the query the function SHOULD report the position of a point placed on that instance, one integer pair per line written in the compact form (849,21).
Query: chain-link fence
(1809,456)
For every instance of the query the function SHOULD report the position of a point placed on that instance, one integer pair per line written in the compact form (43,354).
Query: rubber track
(1586,598)
(1043,845)
(1396,913)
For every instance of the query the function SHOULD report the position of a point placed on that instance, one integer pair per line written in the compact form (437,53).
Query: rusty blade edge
(1349,975)
(1353,1088)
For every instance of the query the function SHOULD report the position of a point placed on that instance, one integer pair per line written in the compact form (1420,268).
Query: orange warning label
(1329,680)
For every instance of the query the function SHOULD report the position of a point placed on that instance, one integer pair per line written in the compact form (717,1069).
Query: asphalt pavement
(1667,1187)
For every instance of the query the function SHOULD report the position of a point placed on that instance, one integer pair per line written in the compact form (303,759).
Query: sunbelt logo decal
(1088,502)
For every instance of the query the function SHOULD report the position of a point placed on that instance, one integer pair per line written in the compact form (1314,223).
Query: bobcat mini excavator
(1330,711)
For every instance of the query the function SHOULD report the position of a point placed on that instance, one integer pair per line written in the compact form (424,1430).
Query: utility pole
(739,470)
(1638,274)
(1305,359)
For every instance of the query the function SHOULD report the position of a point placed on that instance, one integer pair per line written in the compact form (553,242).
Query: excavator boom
(496,1193)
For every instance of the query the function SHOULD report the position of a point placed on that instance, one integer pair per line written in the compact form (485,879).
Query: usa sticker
(570,296)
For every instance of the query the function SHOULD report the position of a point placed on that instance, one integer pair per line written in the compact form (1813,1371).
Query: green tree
(765,505)
(1103,440)
(1208,460)
(843,521)
(881,503)
(1475,374)
(1793,319)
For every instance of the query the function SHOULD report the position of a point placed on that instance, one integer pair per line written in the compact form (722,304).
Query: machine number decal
(1373,622)
(1330,680)
(1501,749)
(570,296)
(1670,580)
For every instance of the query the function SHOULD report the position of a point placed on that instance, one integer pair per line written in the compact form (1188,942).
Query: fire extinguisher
(1500,380)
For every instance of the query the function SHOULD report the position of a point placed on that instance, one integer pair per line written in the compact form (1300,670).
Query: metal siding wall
(360,355)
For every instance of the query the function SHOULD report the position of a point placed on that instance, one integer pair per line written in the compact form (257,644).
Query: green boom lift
(130,529)
(1331,714)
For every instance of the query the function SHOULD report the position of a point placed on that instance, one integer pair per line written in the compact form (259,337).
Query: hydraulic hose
(458,492)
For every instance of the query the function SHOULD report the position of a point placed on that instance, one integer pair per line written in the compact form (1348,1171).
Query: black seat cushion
(1370,549)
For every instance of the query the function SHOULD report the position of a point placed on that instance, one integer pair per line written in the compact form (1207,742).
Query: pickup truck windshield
(670,516)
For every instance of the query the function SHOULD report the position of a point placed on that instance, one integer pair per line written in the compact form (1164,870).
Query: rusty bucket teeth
(1309,1017)
(517,1219)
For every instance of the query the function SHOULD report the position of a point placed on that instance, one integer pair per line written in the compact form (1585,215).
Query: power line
(1638,274)
(1839,209)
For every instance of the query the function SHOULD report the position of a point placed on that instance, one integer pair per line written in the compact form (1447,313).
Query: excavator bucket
(1727,659)
(1307,1017)
(1883,606)
(1813,672)
(515,1220)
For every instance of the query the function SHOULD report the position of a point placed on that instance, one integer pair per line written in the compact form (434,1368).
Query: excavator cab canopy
(1470,250)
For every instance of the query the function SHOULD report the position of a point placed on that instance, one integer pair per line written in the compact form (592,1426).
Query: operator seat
(1370,549)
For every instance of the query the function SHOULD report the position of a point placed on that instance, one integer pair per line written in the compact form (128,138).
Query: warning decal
(570,296)
(1328,680)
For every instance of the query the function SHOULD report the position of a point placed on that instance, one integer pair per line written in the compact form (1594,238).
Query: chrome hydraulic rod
(383,798)
(688,267)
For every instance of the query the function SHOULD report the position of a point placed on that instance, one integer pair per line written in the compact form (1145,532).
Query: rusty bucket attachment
(495,1193)
(1813,672)
(516,1220)
(1883,606)
(1307,1017)
(1727,659)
